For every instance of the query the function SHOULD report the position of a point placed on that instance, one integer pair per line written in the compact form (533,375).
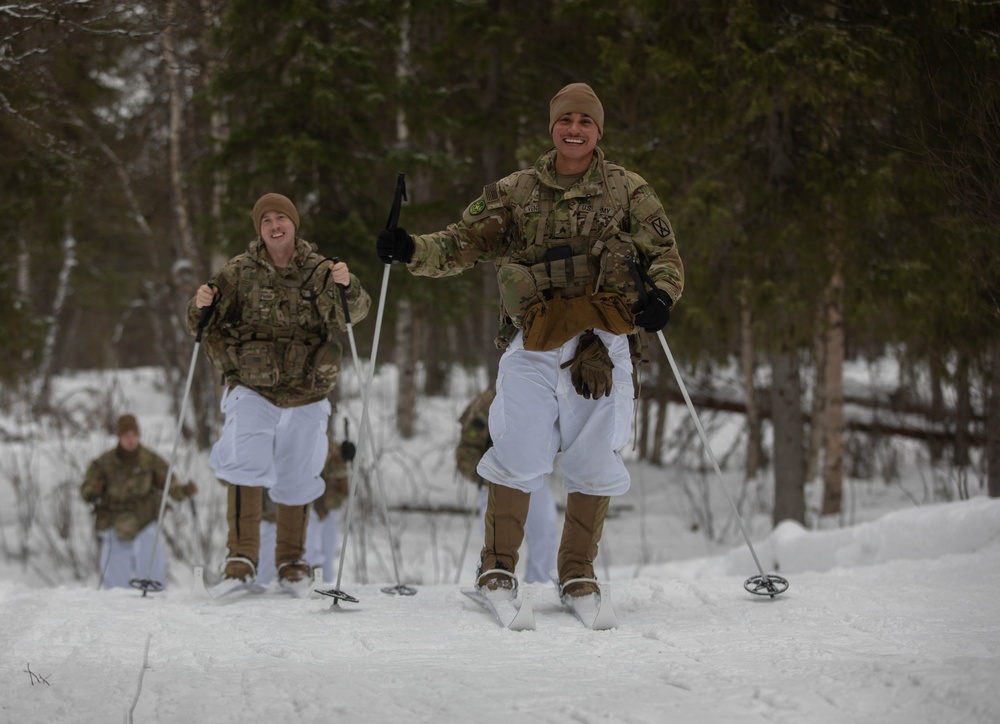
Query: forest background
(831,169)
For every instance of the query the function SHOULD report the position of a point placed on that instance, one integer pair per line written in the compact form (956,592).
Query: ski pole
(366,432)
(147,584)
(337,594)
(762,584)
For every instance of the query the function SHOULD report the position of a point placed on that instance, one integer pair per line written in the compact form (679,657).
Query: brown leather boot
(582,531)
(291,522)
(243,511)
(506,511)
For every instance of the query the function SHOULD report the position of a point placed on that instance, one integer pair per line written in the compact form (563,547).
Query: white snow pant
(322,542)
(537,412)
(541,533)
(266,570)
(282,449)
(123,560)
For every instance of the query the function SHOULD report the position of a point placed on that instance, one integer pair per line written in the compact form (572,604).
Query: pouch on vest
(217,347)
(257,364)
(325,365)
(549,325)
(296,354)
(615,273)
(518,291)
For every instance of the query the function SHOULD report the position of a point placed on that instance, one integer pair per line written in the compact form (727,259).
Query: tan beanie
(576,98)
(274,202)
(127,423)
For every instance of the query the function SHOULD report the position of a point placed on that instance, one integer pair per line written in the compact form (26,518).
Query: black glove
(348,450)
(654,316)
(590,368)
(394,245)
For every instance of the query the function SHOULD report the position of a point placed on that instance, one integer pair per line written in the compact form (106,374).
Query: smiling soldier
(562,235)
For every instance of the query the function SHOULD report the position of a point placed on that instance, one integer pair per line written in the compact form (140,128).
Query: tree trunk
(189,266)
(938,414)
(406,362)
(786,417)
(833,457)
(642,426)
(817,425)
(993,423)
(662,404)
(407,339)
(963,411)
(754,457)
(63,290)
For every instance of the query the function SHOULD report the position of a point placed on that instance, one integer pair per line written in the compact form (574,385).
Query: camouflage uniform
(272,330)
(126,490)
(272,337)
(560,256)
(502,226)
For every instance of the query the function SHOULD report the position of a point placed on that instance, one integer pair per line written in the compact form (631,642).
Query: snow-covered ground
(891,619)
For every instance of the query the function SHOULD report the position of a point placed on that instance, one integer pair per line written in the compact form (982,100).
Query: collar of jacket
(303,248)
(590,184)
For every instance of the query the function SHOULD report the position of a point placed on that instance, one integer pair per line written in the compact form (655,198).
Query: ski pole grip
(206,312)
(640,285)
(343,295)
(397,201)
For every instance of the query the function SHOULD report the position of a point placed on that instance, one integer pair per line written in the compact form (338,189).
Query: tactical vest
(588,262)
(266,345)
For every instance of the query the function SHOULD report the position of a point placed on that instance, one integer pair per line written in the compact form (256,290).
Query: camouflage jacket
(273,329)
(126,490)
(475,438)
(498,225)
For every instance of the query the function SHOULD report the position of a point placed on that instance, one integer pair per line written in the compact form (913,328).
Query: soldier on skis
(272,337)
(563,235)
(125,487)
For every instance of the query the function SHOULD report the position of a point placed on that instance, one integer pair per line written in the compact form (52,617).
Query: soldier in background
(540,531)
(125,488)
(272,337)
(568,237)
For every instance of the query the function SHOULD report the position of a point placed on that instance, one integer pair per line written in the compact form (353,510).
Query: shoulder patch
(491,194)
(477,207)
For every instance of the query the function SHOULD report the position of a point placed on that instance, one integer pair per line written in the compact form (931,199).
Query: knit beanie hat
(127,423)
(576,98)
(274,202)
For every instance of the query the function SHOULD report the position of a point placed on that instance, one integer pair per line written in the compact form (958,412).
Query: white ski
(232,588)
(502,604)
(227,586)
(594,610)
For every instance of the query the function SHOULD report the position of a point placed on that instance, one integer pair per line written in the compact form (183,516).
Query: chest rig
(274,331)
(566,251)
(563,248)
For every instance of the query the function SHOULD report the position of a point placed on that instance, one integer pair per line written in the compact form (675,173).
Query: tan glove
(190,489)
(590,368)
